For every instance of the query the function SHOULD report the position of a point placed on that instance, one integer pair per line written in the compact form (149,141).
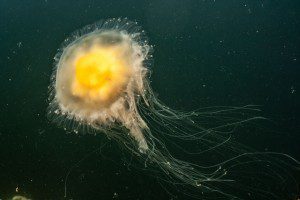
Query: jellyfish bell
(100,84)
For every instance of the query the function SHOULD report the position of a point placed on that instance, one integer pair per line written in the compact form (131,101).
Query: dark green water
(206,53)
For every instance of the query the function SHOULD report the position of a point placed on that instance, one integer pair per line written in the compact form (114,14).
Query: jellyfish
(19,197)
(101,85)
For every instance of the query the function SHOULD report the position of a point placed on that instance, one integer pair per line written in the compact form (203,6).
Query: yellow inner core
(93,69)
(100,75)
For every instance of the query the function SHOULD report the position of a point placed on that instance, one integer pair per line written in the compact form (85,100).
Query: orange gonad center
(93,70)
(99,75)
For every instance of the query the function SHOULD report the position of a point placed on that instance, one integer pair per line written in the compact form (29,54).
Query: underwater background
(206,53)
